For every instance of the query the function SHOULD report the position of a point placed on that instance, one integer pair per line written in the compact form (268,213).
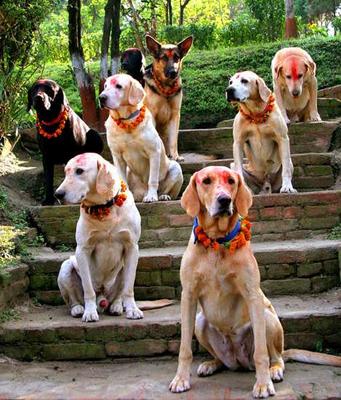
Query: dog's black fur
(133,63)
(48,98)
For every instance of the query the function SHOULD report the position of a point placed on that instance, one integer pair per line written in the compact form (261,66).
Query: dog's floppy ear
(190,201)
(105,180)
(243,200)
(185,45)
(136,93)
(263,90)
(278,70)
(153,46)
(59,97)
(311,67)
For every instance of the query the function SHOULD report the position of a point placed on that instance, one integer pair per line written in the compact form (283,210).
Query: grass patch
(9,315)
(335,233)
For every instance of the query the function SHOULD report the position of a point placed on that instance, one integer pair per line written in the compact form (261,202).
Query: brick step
(49,333)
(275,217)
(290,267)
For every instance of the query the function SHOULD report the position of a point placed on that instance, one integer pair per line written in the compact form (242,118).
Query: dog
(61,133)
(133,63)
(164,91)
(237,324)
(295,85)
(260,130)
(134,142)
(107,234)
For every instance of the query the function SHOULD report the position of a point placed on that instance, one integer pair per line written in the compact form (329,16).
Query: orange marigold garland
(261,117)
(175,88)
(130,125)
(62,121)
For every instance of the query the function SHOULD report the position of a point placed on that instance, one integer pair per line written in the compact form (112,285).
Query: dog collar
(260,118)
(99,211)
(235,239)
(132,121)
(60,120)
(174,89)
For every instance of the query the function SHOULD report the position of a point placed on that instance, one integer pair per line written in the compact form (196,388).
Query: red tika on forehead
(294,69)
(223,175)
(169,53)
(81,159)
(113,81)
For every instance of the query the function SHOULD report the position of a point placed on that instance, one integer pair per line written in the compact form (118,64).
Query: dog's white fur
(266,145)
(295,95)
(107,250)
(151,175)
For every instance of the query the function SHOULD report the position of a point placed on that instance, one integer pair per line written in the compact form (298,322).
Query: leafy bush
(242,29)
(203,34)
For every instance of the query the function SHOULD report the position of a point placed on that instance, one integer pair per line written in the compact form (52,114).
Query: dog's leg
(128,276)
(171,186)
(287,166)
(121,165)
(48,177)
(237,165)
(70,287)
(313,112)
(181,382)
(83,260)
(154,172)
(279,101)
(172,135)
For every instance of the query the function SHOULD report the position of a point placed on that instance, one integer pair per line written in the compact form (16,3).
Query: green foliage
(9,315)
(204,34)
(335,233)
(239,31)
(337,24)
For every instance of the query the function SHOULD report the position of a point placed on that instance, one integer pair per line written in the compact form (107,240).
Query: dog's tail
(311,357)
(153,304)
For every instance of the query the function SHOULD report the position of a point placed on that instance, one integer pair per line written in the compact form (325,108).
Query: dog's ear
(59,97)
(278,70)
(243,200)
(153,46)
(136,93)
(185,45)
(105,180)
(190,201)
(263,90)
(311,67)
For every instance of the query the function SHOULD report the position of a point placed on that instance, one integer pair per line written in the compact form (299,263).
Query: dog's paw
(288,188)
(116,308)
(164,197)
(77,311)
(134,313)
(263,390)
(150,198)
(314,116)
(276,373)
(208,367)
(179,384)
(90,314)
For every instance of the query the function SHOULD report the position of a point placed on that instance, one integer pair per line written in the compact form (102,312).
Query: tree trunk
(182,11)
(115,38)
(84,80)
(170,12)
(290,21)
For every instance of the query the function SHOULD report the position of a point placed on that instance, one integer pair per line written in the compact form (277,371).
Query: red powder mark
(169,53)
(41,81)
(237,76)
(294,69)
(81,159)
(68,169)
(224,176)
(113,81)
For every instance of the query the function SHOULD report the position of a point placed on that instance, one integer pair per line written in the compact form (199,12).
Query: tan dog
(237,324)
(260,131)
(163,89)
(135,143)
(107,234)
(295,85)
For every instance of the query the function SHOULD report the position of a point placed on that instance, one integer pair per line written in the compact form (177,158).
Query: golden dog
(163,89)
(295,85)
(260,131)
(237,324)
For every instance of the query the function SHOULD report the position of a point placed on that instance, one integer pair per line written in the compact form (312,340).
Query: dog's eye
(79,171)
(300,76)
(288,76)
(207,181)
(231,181)
(230,82)
(244,81)
(118,86)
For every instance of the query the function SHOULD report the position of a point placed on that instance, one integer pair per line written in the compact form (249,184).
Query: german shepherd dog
(164,91)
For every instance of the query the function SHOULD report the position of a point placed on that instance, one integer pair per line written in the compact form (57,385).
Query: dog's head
(121,90)
(247,85)
(294,70)
(218,191)
(88,177)
(45,96)
(168,58)
(133,62)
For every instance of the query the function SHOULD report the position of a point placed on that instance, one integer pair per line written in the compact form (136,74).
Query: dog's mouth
(232,98)
(42,100)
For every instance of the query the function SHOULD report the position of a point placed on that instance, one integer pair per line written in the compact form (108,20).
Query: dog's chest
(292,104)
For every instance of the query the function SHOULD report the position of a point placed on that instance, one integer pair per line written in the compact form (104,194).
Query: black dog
(133,63)
(61,133)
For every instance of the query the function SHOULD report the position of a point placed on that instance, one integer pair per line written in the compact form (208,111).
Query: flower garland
(131,125)
(102,210)
(261,117)
(175,88)
(62,121)
(232,245)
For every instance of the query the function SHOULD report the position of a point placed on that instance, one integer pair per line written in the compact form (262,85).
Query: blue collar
(221,240)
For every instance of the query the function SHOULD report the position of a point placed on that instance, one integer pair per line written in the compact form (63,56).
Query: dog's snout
(60,194)
(224,201)
(230,93)
(102,99)
(295,92)
(171,73)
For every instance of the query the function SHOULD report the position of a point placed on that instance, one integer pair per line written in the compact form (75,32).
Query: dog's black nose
(102,99)
(224,201)
(230,93)
(171,73)
(59,194)
(295,92)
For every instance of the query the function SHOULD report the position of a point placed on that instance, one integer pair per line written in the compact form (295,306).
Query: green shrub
(204,34)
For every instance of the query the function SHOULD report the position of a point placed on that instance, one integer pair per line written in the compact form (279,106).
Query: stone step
(290,267)
(274,217)
(49,333)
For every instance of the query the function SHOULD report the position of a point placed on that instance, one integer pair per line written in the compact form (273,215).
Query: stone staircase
(299,266)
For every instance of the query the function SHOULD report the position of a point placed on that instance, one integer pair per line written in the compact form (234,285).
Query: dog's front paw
(288,188)
(134,313)
(179,384)
(276,373)
(314,116)
(150,198)
(77,311)
(116,308)
(208,367)
(90,313)
(164,197)
(263,390)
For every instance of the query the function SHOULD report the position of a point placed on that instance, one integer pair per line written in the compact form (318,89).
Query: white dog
(135,143)
(107,234)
